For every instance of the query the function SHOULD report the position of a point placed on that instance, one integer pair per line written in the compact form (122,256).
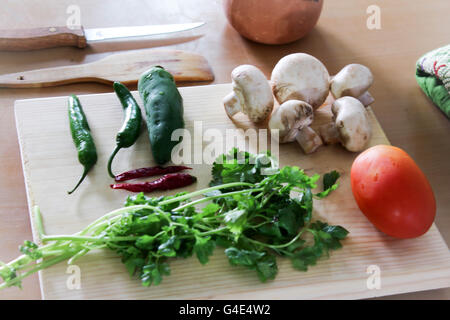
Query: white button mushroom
(300,76)
(350,127)
(251,94)
(353,80)
(293,119)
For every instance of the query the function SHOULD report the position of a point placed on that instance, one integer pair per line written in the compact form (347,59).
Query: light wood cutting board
(51,168)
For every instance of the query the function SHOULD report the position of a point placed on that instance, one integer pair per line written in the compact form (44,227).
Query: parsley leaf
(243,257)
(265,264)
(204,248)
(31,249)
(169,248)
(267,268)
(326,238)
(329,183)
(153,273)
(235,221)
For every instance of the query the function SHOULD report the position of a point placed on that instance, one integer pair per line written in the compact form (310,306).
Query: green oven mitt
(433,76)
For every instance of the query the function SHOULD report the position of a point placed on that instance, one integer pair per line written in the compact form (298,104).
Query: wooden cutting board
(51,168)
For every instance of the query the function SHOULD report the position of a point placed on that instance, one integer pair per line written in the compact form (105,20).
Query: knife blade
(100,34)
(43,38)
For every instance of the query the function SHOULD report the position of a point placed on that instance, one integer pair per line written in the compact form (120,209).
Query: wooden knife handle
(41,38)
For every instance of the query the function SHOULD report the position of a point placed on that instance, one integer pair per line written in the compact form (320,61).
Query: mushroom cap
(300,76)
(353,80)
(352,123)
(290,117)
(252,91)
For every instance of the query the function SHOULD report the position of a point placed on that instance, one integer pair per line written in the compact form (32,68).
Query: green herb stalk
(255,217)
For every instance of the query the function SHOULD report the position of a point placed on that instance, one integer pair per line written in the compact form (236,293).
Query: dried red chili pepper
(166,182)
(149,172)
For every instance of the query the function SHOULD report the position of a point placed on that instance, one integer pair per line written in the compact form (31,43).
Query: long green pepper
(82,138)
(131,127)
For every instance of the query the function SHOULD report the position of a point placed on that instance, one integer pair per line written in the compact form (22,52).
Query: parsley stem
(218,230)
(78,255)
(209,198)
(276,246)
(267,198)
(177,224)
(256,226)
(114,213)
(99,230)
(206,233)
(87,239)
(50,253)
(23,260)
(200,192)
(200,226)
(38,220)
(263,217)
(37,267)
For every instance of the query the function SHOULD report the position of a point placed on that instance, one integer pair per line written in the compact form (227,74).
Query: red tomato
(392,191)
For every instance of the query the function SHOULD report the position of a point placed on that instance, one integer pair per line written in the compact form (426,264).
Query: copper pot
(273,21)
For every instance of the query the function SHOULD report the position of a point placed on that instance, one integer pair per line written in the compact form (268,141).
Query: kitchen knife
(42,38)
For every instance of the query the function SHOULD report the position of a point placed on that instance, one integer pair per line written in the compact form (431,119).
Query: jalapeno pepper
(82,138)
(163,106)
(131,127)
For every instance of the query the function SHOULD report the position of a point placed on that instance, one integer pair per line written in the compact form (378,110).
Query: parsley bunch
(252,209)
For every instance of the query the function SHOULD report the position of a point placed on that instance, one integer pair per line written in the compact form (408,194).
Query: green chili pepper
(131,127)
(82,138)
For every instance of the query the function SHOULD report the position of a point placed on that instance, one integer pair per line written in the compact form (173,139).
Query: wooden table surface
(409,28)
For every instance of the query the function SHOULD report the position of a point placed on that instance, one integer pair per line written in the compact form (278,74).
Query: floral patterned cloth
(433,76)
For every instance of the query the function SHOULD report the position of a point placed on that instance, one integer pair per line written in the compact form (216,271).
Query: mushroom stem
(308,139)
(232,104)
(366,99)
(293,119)
(329,133)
